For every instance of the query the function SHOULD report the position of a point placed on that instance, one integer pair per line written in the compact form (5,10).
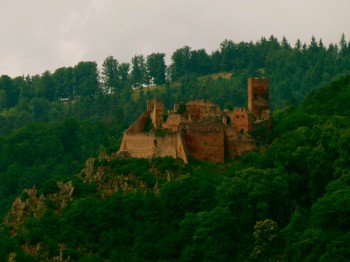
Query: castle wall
(181,148)
(239,119)
(172,122)
(205,142)
(237,143)
(139,124)
(156,109)
(200,108)
(139,145)
(258,95)
(166,146)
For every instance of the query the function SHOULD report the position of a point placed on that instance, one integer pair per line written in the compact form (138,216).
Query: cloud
(41,35)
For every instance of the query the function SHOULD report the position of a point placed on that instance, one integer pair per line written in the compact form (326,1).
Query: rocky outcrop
(31,204)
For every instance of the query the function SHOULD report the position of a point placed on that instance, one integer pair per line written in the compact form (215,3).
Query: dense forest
(289,202)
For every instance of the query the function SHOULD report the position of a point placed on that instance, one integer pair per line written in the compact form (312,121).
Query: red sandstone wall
(172,122)
(166,146)
(139,124)
(258,95)
(200,108)
(157,113)
(239,119)
(135,128)
(139,145)
(171,145)
(237,143)
(205,142)
(181,148)
(146,145)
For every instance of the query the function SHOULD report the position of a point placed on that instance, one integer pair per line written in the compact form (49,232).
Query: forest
(290,202)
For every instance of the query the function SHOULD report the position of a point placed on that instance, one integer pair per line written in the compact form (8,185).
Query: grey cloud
(39,35)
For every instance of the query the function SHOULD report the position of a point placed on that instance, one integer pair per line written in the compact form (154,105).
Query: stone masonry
(199,129)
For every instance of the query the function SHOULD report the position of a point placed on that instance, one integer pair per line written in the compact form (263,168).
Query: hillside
(289,202)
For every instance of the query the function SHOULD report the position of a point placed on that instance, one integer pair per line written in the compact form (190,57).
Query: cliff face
(31,204)
(105,174)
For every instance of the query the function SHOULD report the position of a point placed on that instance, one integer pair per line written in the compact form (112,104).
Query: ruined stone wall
(147,145)
(136,128)
(172,122)
(200,108)
(237,143)
(205,142)
(200,102)
(166,145)
(203,131)
(156,107)
(239,119)
(139,145)
(139,125)
(258,95)
(181,148)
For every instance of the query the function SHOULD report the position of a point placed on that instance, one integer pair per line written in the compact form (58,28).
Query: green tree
(10,91)
(268,243)
(110,75)
(200,62)
(47,86)
(64,82)
(156,68)
(180,63)
(139,74)
(211,236)
(123,70)
(86,79)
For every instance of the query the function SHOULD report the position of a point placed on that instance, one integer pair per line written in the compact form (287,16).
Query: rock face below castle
(198,129)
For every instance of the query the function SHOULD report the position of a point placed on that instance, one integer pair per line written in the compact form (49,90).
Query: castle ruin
(198,129)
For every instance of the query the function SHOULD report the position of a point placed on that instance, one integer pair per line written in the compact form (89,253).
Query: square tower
(258,95)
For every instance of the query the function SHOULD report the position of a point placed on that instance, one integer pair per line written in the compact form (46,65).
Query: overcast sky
(39,35)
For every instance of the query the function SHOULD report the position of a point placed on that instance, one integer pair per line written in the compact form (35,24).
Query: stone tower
(258,95)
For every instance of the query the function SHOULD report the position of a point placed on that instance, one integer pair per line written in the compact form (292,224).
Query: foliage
(148,125)
(161,132)
(289,202)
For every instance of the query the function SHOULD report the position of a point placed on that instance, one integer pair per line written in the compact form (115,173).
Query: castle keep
(198,129)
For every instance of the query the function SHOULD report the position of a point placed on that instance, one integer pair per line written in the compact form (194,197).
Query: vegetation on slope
(290,201)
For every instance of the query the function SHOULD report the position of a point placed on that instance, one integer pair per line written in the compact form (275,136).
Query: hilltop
(295,191)
(290,201)
(199,129)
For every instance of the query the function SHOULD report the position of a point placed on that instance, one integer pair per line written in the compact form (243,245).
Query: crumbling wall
(147,145)
(166,145)
(139,125)
(239,119)
(258,95)
(156,109)
(181,148)
(135,129)
(139,145)
(237,143)
(203,131)
(205,142)
(197,109)
(173,121)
